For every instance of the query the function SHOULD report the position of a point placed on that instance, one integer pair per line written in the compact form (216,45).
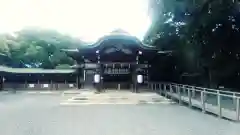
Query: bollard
(189,98)
(203,102)
(219,104)
(237,109)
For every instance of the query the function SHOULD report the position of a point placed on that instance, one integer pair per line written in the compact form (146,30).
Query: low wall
(32,86)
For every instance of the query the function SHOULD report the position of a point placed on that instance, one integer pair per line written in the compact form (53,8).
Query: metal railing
(225,104)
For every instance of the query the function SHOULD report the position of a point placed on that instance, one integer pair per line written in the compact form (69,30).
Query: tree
(203,33)
(34,47)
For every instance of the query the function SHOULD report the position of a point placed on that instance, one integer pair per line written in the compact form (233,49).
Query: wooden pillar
(102,72)
(25,84)
(136,72)
(99,84)
(51,84)
(2,82)
(84,74)
(99,71)
(38,82)
(134,78)
(77,82)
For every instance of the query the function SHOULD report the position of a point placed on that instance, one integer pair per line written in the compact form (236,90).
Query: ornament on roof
(119,31)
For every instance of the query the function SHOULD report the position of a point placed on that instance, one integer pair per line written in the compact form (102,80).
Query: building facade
(37,79)
(118,59)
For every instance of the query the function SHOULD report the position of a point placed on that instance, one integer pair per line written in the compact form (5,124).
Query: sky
(85,19)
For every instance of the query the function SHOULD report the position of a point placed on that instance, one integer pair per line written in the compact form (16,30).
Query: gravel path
(23,114)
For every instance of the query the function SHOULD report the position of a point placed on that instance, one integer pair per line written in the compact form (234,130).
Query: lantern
(31,85)
(140,78)
(45,85)
(71,85)
(97,78)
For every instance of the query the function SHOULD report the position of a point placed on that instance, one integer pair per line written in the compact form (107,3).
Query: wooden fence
(225,104)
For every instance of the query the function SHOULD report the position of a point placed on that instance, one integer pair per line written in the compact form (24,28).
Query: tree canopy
(204,36)
(37,48)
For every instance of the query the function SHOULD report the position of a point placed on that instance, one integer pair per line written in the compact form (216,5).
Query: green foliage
(204,34)
(37,47)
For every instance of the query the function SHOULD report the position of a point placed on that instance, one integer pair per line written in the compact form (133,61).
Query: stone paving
(43,114)
(116,97)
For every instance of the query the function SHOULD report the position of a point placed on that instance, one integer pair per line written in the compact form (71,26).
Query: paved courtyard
(117,113)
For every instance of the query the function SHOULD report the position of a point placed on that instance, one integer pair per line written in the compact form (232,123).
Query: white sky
(86,19)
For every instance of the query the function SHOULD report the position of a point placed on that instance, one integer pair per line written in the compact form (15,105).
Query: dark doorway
(88,79)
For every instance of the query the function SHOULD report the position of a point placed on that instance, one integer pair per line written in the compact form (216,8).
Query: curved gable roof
(119,35)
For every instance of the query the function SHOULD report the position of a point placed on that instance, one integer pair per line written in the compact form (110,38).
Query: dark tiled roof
(35,70)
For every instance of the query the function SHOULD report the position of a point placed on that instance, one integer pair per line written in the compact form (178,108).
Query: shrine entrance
(116,60)
(88,82)
(117,76)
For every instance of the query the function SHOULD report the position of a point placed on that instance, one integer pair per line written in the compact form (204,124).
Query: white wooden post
(159,88)
(179,94)
(193,92)
(171,91)
(234,99)
(189,98)
(203,101)
(205,95)
(219,104)
(119,87)
(165,89)
(184,90)
(176,86)
(237,109)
